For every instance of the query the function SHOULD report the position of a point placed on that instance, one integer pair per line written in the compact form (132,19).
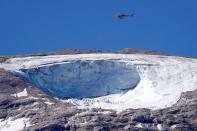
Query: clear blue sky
(29,26)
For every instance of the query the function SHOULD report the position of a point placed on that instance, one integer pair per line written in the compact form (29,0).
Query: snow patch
(159,127)
(48,103)
(21,94)
(173,127)
(14,125)
(139,125)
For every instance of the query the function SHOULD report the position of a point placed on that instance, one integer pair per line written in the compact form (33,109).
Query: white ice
(14,125)
(159,127)
(21,94)
(139,125)
(162,78)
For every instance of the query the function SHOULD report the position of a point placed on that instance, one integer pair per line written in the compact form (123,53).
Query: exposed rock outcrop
(48,114)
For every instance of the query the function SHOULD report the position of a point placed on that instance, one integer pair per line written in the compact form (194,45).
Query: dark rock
(136,51)
(143,119)
(52,127)
(3,59)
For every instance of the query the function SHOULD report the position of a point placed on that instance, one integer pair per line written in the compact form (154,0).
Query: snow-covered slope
(159,84)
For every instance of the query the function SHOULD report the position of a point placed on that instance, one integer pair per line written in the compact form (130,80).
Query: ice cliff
(84,79)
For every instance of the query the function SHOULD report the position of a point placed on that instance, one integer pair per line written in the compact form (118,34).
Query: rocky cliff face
(24,106)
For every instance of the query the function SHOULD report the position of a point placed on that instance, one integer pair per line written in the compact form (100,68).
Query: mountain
(126,90)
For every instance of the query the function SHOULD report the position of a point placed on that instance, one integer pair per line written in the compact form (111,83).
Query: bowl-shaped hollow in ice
(84,79)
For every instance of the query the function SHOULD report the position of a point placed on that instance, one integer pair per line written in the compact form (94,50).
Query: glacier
(110,81)
(84,79)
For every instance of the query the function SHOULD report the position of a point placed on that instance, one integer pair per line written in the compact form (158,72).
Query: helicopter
(123,16)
